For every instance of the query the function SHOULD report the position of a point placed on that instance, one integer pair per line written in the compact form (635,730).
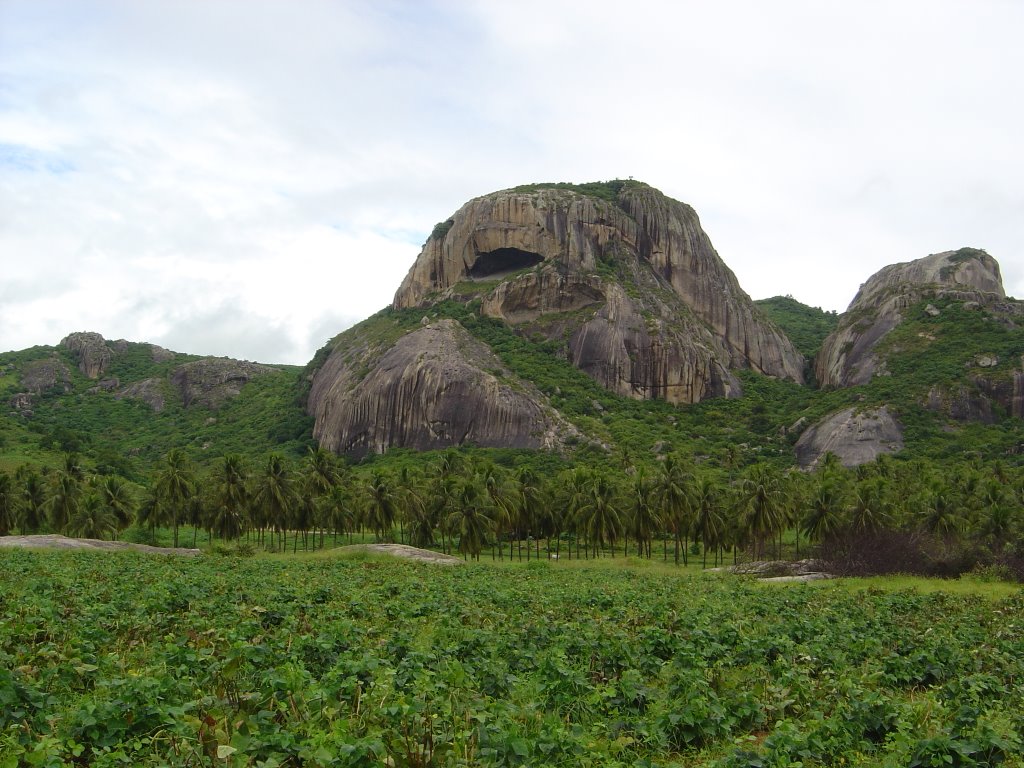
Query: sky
(248,178)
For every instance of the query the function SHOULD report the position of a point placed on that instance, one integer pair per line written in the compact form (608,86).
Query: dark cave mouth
(502,261)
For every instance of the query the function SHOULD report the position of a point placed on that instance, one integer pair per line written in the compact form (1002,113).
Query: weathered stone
(932,310)
(149,391)
(22,403)
(160,355)
(90,351)
(848,356)
(669,319)
(986,361)
(212,381)
(105,385)
(435,387)
(46,375)
(855,437)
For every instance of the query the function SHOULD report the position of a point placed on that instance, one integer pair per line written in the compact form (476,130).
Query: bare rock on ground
(56,541)
(407,552)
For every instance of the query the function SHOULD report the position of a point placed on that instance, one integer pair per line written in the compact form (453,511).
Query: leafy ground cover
(134,660)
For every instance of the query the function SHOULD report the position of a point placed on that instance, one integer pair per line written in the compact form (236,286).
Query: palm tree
(8,504)
(93,519)
(599,513)
(32,502)
(230,497)
(501,505)
(575,490)
(762,499)
(529,501)
(824,512)
(175,484)
(63,502)
(939,512)
(644,519)
(869,510)
(676,504)
(708,522)
(341,512)
(116,496)
(274,496)
(470,517)
(381,505)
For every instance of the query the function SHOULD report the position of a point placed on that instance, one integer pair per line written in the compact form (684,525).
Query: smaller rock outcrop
(855,437)
(848,356)
(161,355)
(149,391)
(46,375)
(212,381)
(90,351)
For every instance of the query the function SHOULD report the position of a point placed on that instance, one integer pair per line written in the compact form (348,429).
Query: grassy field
(353,660)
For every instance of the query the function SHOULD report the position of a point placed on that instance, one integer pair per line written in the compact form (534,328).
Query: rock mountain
(619,276)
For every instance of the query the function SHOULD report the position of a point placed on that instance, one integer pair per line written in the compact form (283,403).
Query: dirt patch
(407,552)
(56,541)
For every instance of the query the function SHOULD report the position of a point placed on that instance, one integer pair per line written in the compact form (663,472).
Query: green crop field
(126,659)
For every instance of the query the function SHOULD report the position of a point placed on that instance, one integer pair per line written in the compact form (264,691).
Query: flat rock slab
(802,577)
(56,541)
(409,553)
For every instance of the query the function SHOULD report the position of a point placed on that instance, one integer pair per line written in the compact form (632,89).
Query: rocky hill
(559,324)
(128,403)
(626,284)
(936,334)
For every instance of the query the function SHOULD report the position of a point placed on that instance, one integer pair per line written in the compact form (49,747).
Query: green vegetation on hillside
(805,326)
(605,190)
(125,435)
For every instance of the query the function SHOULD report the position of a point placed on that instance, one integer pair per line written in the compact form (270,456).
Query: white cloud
(247,178)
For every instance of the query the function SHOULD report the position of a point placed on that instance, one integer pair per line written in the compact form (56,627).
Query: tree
(708,522)
(381,505)
(761,503)
(470,519)
(92,519)
(230,497)
(644,519)
(274,496)
(599,513)
(8,504)
(174,486)
(63,502)
(824,512)
(676,504)
(116,497)
(32,500)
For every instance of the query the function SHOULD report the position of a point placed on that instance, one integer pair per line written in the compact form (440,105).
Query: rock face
(90,351)
(46,375)
(435,387)
(646,305)
(854,437)
(210,382)
(848,356)
(149,391)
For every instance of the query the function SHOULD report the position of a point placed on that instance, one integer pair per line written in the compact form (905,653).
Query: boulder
(434,387)
(90,351)
(149,391)
(212,381)
(855,437)
(46,375)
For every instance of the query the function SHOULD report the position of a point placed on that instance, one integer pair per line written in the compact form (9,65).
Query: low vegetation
(126,659)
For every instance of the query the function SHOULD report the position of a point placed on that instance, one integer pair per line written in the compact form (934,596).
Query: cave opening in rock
(502,261)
